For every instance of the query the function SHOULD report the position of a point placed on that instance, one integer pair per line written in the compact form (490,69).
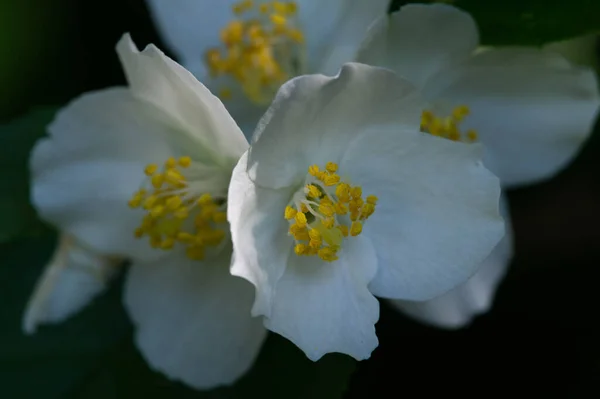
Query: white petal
(86,171)
(158,80)
(326,307)
(459,306)
(71,280)
(532,116)
(313,118)
(335,29)
(420,40)
(437,217)
(193,319)
(259,234)
(190,27)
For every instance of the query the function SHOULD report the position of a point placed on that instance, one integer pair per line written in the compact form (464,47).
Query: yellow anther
(331,180)
(355,229)
(204,199)
(341,209)
(157,211)
(233,33)
(242,6)
(219,217)
(367,210)
(135,202)
(170,163)
(331,167)
(149,170)
(471,135)
(356,192)
(168,243)
(327,209)
(182,213)
(371,199)
(314,170)
(299,233)
(300,219)
(315,243)
(184,162)
(303,208)
(174,202)
(278,20)
(328,222)
(342,191)
(460,112)
(313,191)
(448,127)
(290,212)
(344,229)
(150,201)
(300,249)
(328,254)
(157,180)
(292,7)
(314,234)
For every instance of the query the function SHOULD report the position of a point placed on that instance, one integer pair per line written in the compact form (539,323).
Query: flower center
(176,212)
(261,48)
(448,127)
(325,211)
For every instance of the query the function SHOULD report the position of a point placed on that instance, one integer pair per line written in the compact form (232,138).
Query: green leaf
(528,22)
(16,140)
(92,355)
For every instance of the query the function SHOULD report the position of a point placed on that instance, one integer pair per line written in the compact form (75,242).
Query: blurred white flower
(341,197)
(168,146)
(243,50)
(531,109)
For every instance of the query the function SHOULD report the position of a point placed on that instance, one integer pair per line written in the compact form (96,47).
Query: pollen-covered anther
(325,211)
(262,47)
(448,127)
(176,216)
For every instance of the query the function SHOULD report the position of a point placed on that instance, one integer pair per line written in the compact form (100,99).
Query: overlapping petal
(437,217)
(193,319)
(71,280)
(84,173)
(313,118)
(191,107)
(460,305)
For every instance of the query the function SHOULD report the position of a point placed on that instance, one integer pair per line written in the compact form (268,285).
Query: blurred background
(541,337)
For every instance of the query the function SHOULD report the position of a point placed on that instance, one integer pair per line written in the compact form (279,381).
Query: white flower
(266,43)
(167,146)
(329,154)
(531,109)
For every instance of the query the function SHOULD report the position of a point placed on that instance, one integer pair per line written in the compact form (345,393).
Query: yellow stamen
(262,47)
(168,203)
(448,127)
(325,212)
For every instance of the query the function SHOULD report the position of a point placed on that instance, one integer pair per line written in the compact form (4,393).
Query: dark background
(540,339)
